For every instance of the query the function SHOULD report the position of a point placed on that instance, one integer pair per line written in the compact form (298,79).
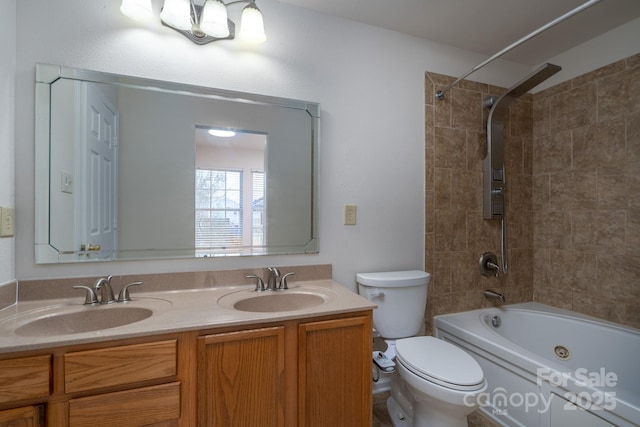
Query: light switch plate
(7,222)
(350,214)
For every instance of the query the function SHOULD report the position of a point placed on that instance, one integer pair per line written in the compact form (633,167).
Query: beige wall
(572,156)
(586,193)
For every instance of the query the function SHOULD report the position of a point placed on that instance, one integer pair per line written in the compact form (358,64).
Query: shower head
(523,86)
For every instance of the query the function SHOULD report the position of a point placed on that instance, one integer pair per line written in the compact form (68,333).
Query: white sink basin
(65,319)
(294,299)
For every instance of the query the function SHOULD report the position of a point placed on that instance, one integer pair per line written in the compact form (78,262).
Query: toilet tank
(401,297)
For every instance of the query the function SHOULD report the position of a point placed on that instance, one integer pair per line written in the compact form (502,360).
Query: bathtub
(550,367)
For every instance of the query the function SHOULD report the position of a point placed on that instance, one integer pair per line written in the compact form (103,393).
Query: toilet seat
(440,362)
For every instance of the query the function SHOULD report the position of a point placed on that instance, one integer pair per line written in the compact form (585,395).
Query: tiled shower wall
(586,193)
(572,159)
(456,233)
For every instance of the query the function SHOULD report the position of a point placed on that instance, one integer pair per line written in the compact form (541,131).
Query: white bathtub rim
(469,328)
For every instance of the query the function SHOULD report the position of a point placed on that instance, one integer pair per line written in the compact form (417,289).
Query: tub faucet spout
(493,295)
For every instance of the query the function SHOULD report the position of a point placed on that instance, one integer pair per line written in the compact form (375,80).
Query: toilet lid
(440,362)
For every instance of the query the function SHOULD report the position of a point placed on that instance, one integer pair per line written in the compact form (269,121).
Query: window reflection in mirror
(230,191)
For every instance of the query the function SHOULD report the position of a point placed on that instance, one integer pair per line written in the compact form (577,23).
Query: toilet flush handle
(377,295)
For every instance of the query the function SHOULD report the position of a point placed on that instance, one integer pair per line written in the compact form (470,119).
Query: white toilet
(435,383)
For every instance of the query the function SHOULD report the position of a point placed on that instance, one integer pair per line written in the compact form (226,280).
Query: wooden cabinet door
(241,379)
(334,373)
(28,416)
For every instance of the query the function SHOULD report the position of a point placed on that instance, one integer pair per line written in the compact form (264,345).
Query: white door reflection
(230,200)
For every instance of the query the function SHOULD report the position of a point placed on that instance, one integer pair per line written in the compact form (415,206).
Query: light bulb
(252,25)
(222,133)
(214,19)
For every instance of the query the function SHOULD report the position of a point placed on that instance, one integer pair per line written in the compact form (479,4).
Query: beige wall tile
(442,185)
(450,148)
(520,115)
(466,110)
(552,229)
(513,155)
(619,277)
(476,150)
(573,270)
(601,144)
(519,193)
(617,190)
(573,190)
(450,231)
(573,108)
(633,139)
(619,94)
(541,189)
(466,190)
(482,235)
(519,230)
(552,153)
(633,233)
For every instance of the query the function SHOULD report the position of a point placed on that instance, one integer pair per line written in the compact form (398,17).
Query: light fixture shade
(252,25)
(140,10)
(214,19)
(177,14)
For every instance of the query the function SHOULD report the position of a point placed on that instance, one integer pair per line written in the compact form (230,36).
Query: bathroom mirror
(130,168)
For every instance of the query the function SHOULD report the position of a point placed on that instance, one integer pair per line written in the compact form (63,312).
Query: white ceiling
(487,26)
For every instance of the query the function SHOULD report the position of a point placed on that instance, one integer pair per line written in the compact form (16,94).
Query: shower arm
(440,93)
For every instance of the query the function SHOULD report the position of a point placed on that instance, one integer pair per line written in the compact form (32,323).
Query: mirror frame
(47,74)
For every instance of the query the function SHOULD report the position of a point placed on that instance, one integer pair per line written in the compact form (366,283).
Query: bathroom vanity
(195,361)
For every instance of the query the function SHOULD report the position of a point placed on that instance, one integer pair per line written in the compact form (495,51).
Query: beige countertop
(173,311)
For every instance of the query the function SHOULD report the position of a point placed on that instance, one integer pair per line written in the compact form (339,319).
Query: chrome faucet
(102,292)
(273,283)
(493,295)
(103,286)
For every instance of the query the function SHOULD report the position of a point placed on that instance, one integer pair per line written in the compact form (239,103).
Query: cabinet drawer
(25,378)
(130,408)
(114,366)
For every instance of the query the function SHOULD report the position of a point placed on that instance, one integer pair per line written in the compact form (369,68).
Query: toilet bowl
(440,381)
(435,384)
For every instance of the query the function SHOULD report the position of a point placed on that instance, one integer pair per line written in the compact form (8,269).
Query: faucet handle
(91,297)
(124,292)
(283,281)
(489,264)
(259,282)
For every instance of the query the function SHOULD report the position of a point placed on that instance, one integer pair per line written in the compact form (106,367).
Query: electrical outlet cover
(7,222)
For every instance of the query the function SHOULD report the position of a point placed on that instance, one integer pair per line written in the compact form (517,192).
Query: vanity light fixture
(202,21)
